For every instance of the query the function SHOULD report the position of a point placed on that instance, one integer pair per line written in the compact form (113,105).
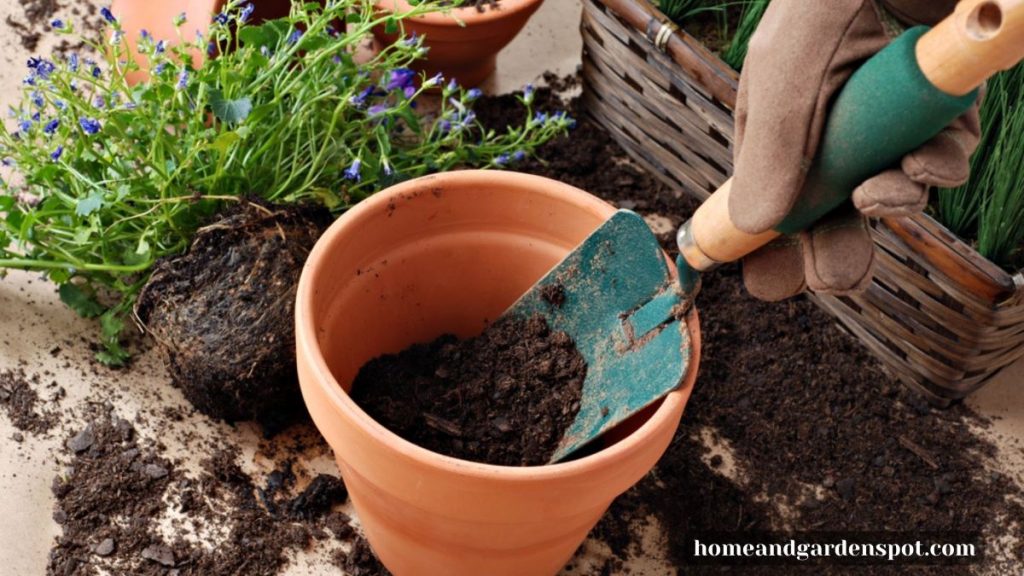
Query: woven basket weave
(942,317)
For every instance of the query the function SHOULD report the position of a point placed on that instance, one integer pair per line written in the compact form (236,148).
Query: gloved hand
(800,56)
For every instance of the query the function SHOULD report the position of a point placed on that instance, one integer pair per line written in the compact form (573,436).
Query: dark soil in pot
(504,397)
(224,311)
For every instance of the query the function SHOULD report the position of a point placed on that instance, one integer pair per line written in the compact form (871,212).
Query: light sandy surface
(33,322)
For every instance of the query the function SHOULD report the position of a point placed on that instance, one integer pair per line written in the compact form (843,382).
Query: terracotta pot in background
(158,19)
(444,254)
(466,52)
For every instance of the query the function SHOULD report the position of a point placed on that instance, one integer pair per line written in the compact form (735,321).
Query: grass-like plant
(108,177)
(990,206)
(681,10)
(750,17)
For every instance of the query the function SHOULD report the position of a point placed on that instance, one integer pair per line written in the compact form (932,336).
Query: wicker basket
(943,318)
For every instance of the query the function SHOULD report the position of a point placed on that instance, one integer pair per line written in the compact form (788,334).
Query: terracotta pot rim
(468,15)
(308,346)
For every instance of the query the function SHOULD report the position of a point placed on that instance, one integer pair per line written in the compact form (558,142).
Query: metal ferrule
(691,252)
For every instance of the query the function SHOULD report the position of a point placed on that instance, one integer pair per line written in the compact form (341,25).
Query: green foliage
(110,176)
(750,16)
(990,206)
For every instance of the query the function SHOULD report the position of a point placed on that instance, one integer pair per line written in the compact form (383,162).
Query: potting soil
(504,397)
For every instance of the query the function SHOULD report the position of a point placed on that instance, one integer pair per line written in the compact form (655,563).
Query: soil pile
(19,398)
(224,312)
(823,438)
(126,509)
(505,397)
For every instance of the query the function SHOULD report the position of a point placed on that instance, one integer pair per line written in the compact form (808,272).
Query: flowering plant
(106,177)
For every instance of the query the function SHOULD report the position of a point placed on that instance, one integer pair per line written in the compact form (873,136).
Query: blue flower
(60,104)
(51,126)
(359,99)
(211,49)
(30,80)
(33,62)
(35,117)
(37,99)
(519,155)
(182,79)
(247,11)
(57,23)
(221,18)
(540,117)
(294,36)
(73,85)
(473,94)
(411,40)
(451,87)
(55,155)
(386,167)
(96,72)
(99,102)
(7,162)
(352,172)
(528,94)
(107,15)
(501,160)
(160,68)
(25,125)
(434,81)
(444,126)
(89,125)
(45,68)
(73,62)
(377,109)
(161,46)
(146,35)
(331,31)
(179,19)
(401,78)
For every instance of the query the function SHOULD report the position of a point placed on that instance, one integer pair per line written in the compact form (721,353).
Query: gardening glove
(799,57)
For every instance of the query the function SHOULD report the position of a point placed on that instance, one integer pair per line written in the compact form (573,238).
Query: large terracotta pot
(445,254)
(466,52)
(158,19)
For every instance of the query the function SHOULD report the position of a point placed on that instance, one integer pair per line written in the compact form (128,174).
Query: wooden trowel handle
(907,93)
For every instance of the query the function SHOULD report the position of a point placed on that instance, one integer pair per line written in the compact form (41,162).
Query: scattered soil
(120,498)
(19,399)
(37,15)
(505,397)
(821,436)
(224,312)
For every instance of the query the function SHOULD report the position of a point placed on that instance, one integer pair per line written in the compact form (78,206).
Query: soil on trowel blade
(224,312)
(505,397)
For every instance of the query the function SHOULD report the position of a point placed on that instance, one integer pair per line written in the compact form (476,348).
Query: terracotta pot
(467,53)
(444,254)
(158,19)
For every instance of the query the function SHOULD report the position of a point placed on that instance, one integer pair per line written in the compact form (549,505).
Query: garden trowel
(623,306)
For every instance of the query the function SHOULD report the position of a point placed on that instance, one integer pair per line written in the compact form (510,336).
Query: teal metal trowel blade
(623,309)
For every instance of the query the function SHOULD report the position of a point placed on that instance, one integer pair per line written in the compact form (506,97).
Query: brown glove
(801,54)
